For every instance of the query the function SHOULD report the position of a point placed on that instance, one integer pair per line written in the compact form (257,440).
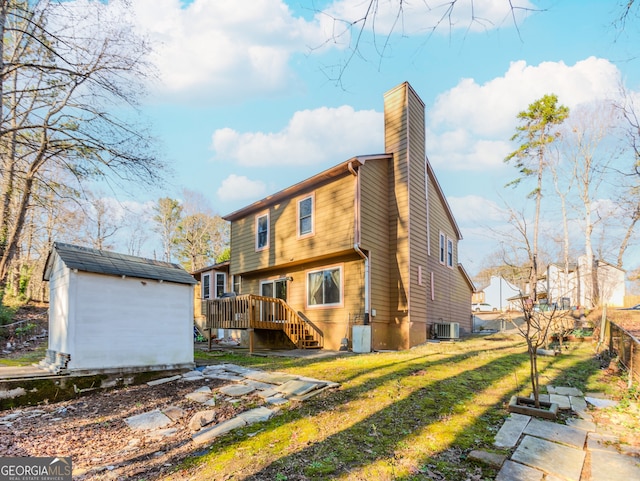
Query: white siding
(107,322)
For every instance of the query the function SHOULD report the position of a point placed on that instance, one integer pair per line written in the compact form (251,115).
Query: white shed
(110,311)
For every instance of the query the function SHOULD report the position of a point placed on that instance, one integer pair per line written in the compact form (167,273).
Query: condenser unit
(448,330)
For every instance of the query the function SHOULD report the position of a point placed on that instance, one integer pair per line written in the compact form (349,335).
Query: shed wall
(129,323)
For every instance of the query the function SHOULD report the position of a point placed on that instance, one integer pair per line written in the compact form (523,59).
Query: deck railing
(250,311)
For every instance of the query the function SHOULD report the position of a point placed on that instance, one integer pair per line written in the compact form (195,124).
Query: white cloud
(421,18)
(240,188)
(216,49)
(481,118)
(312,137)
(476,210)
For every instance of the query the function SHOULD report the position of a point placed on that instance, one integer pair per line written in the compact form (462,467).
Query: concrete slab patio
(545,450)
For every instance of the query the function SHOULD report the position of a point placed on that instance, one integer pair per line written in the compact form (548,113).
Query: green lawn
(411,415)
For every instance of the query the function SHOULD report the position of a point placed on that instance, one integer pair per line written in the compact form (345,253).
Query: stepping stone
(511,430)
(490,459)
(260,386)
(209,434)
(270,377)
(568,391)
(236,390)
(309,394)
(602,442)
(205,389)
(201,419)
(563,402)
(578,403)
(237,369)
(518,472)
(199,397)
(164,380)
(256,415)
(148,421)
(268,393)
(583,424)
(223,376)
(607,466)
(276,401)
(191,374)
(549,457)
(174,413)
(600,403)
(297,388)
(559,433)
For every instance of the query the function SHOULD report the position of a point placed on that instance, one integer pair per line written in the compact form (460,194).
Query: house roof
(327,175)
(220,266)
(97,261)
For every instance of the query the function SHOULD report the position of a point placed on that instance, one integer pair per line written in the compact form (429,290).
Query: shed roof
(97,261)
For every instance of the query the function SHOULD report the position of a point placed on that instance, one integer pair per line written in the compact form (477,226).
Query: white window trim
(257,220)
(224,282)
(313,217)
(450,261)
(325,306)
(206,276)
(442,251)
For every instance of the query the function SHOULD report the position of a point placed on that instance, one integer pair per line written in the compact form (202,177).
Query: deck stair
(250,311)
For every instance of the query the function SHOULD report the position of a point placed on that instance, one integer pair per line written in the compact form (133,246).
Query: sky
(250,100)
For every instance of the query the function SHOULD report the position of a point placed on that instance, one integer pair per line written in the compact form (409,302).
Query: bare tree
(590,155)
(64,68)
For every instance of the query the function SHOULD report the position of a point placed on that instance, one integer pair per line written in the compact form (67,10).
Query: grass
(411,415)
(27,358)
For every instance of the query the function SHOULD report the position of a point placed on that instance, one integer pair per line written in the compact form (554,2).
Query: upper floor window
(442,247)
(262,231)
(324,287)
(305,216)
(449,253)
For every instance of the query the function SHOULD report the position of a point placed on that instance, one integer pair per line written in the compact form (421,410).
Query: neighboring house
(371,242)
(110,311)
(499,293)
(212,283)
(575,286)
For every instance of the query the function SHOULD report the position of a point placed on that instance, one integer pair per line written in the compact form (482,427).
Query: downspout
(356,243)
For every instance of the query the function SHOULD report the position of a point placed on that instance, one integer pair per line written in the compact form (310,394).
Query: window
(305,216)
(237,282)
(449,253)
(324,287)
(206,286)
(220,284)
(442,244)
(262,232)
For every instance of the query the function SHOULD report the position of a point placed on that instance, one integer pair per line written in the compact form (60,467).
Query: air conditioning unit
(449,330)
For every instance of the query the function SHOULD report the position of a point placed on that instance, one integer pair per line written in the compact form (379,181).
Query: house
(574,286)
(369,246)
(110,311)
(499,293)
(213,282)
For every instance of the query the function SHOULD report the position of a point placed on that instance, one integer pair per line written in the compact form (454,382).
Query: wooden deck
(252,312)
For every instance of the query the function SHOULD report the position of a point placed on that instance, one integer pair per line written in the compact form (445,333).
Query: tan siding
(396,142)
(333,229)
(452,301)
(418,221)
(334,322)
(374,222)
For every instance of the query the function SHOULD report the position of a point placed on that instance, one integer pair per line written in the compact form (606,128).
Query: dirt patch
(26,333)
(92,429)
